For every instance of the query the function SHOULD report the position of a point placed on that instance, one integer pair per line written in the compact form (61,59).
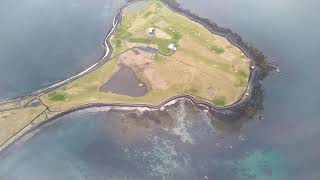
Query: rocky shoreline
(251,101)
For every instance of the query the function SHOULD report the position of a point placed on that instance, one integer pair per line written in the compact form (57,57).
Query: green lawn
(217,49)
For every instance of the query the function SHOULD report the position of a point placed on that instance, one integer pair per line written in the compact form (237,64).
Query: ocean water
(179,142)
(43,42)
(183,142)
(286,31)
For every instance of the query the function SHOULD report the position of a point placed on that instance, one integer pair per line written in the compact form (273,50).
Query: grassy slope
(13,121)
(205,65)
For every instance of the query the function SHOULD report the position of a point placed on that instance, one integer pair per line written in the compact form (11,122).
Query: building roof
(151,30)
(172,47)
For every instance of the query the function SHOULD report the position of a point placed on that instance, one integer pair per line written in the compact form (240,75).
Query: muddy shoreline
(247,106)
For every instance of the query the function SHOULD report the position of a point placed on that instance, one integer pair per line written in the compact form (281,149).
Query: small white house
(152,31)
(172,47)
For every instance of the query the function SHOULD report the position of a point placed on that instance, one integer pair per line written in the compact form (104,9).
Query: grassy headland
(205,65)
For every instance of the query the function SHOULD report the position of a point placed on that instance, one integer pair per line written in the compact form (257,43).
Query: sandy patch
(228,56)
(161,34)
(154,79)
(162,24)
(140,61)
(135,57)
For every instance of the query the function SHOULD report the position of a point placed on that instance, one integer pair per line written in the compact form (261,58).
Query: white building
(152,31)
(172,47)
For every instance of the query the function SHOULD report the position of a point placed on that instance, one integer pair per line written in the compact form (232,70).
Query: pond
(125,82)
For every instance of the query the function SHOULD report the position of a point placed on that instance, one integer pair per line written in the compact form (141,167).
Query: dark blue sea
(42,42)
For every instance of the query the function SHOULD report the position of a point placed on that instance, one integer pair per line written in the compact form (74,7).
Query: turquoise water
(176,143)
(284,145)
(262,165)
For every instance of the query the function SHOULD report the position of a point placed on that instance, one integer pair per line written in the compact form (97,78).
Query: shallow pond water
(125,82)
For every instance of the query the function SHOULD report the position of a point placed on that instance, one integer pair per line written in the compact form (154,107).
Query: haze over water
(287,32)
(284,145)
(44,42)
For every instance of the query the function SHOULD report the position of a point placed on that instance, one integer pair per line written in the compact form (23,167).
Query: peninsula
(199,63)
(154,54)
